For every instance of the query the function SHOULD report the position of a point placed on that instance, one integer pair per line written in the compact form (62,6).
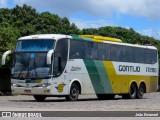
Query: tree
(25,20)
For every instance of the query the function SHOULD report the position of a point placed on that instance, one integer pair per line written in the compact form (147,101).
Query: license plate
(27,91)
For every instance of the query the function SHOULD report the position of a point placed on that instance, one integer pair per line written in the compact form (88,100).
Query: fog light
(14,85)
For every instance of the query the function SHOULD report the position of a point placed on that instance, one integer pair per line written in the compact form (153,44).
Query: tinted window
(138,55)
(60,57)
(76,49)
(30,66)
(116,53)
(35,45)
(128,54)
(133,54)
(103,51)
(153,56)
(90,50)
(150,56)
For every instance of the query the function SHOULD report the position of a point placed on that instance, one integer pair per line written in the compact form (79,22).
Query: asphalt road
(150,102)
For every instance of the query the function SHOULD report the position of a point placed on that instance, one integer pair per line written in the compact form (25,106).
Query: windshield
(35,45)
(30,66)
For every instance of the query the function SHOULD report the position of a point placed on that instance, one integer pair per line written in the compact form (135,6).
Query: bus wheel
(140,91)
(39,98)
(132,92)
(105,96)
(74,93)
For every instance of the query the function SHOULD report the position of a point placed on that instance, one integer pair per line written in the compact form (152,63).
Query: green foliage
(25,20)
(126,35)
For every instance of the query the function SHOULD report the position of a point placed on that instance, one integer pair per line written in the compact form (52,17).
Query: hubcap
(74,93)
(141,91)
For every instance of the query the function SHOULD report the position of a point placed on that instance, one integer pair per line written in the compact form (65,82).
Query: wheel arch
(78,82)
(133,82)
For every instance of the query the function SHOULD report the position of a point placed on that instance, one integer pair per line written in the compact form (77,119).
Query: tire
(132,92)
(140,91)
(105,96)
(39,98)
(74,93)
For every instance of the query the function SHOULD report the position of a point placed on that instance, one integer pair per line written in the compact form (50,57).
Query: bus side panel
(122,81)
(98,76)
(101,77)
(153,84)
(78,72)
(119,82)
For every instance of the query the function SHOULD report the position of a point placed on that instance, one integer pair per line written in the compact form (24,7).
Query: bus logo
(60,87)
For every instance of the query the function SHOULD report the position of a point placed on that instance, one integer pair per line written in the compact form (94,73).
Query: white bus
(53,65)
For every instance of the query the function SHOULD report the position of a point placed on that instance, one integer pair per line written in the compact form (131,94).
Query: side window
(60,57)
(103,51)
(90,50)
(133,54)
(153,56)
(150,56)
(116,53)
(139,55)
(128,54)
(76,49)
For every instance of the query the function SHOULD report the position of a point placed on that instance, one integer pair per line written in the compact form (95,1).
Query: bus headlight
(45,85)
(14,85)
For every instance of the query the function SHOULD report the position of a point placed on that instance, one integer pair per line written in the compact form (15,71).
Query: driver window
(60,57)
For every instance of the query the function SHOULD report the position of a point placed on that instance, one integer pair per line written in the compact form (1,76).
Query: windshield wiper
(35,66)
(23,67)
(34,75)
(21,71)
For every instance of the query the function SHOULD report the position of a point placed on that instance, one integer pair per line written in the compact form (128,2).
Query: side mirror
(49,57)
(4,56)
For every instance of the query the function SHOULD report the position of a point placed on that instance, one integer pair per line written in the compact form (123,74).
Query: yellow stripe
(95,40)
(100,38)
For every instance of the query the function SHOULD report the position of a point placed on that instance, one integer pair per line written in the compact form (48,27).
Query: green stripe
(104,77)
(94,76)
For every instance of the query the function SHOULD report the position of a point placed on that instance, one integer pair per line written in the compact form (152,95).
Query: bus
(55,65)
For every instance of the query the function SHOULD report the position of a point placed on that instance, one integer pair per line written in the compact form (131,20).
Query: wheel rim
(74,93)
(133,91)
(141,90)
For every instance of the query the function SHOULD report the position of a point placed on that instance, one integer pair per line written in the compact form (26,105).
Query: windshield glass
(30,66)
(35,45)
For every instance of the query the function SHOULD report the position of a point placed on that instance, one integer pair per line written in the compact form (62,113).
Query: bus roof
(93,38)
(45,36)
(109,40)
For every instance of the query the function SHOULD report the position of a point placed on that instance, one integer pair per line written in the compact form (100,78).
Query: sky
(141,15)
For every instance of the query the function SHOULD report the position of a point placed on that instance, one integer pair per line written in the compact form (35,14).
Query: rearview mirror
(49,56)
(4,56)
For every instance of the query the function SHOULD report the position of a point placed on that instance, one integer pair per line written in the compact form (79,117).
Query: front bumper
(30,91)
